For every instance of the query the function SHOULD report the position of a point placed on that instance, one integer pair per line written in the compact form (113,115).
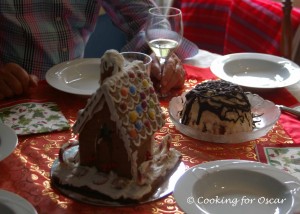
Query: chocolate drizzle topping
(220,97)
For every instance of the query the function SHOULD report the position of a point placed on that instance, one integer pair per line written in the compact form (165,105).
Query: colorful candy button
(132,89)
(123,106)
(133,115)
(144,104)
(151,113)
(151,103)
(124,91)
(142,95)
(145,83)
(131,74)
(151,90)
(138,125)
(139,109)
(132,133)
(147,124)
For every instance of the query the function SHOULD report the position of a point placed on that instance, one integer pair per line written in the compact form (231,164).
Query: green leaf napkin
(282,156)
(33,117)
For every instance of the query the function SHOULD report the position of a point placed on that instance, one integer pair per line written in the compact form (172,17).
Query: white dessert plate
(266,115)
(256,70)
(8,141)
(237,186)
(80,76)
(11,203)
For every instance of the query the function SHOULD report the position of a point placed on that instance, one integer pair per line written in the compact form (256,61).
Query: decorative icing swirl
(220,97)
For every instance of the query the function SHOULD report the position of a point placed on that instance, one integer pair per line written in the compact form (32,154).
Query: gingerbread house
(116,154)
(117,125)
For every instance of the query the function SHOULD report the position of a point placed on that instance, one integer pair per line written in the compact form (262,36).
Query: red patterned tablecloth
(27,170)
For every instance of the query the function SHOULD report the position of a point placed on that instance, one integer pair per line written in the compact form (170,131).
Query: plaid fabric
(38,34)
(231,26)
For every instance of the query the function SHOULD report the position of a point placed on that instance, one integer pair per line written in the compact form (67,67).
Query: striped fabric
(205,22)
(231,26)
(255,26)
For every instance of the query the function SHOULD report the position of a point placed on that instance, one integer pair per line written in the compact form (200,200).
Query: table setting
(34,154)
(217,173)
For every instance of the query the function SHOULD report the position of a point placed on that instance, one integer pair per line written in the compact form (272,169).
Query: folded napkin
(197,73)
(33,117)
(282,156)
(291,125)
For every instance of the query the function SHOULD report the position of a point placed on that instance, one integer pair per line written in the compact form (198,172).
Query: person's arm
(130,17)
(14,80)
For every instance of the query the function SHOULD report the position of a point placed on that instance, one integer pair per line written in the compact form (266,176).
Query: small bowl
(237,186)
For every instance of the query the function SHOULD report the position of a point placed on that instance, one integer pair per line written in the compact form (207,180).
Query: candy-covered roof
(132,102)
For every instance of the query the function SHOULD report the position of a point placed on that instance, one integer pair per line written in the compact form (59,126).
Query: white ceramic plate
(237,186)
(267,114)
(256,70)
(80,76)
(11,203)
(8,141)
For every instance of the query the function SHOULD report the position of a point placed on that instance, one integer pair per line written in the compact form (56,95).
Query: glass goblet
(164,30)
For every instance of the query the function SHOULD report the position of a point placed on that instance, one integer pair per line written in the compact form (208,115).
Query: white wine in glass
(163,47)
(164,34)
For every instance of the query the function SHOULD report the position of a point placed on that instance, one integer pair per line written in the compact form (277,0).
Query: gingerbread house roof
(132,101)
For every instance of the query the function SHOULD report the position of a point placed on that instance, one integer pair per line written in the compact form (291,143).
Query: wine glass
(131,56)
(164,34)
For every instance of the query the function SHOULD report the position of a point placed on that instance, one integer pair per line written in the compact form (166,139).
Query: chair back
(286,38)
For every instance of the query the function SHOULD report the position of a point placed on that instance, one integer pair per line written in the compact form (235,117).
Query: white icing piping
(86,114)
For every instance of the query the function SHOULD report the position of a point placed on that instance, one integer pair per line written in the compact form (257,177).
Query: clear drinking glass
(164,32)
(146,59)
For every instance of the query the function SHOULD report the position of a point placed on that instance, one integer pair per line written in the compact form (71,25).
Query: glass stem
(162,62)
(162,66)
